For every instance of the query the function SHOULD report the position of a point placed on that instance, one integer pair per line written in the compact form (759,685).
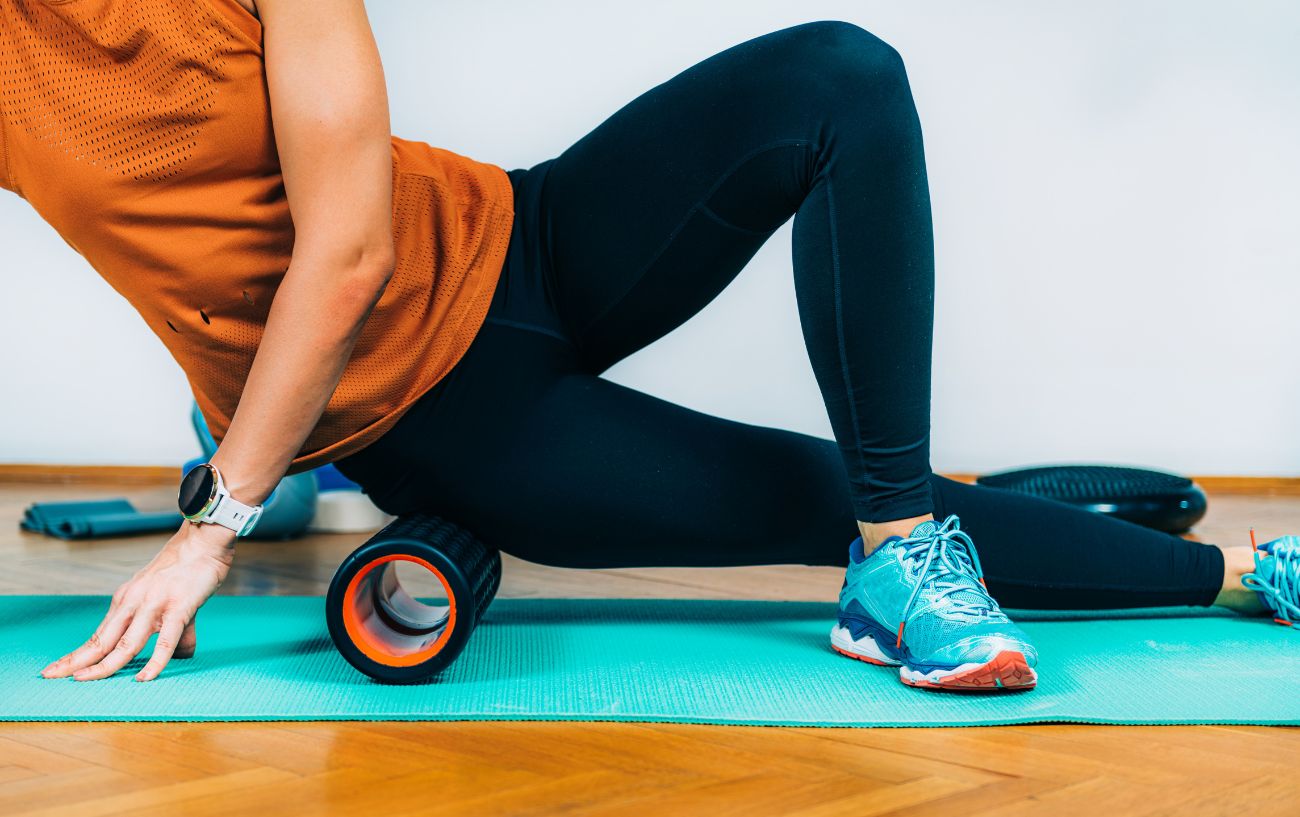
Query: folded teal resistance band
(86,520)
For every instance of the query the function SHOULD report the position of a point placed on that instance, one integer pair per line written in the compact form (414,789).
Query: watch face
(196,490)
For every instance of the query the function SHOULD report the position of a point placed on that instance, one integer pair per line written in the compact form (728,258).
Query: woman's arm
(329,107)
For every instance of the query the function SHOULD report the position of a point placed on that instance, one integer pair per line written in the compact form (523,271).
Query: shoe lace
(950,567)
(1283,587)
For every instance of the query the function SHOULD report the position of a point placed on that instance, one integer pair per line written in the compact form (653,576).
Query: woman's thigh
(559,466)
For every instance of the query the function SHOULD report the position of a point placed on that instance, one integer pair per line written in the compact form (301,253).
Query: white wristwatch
(204,498)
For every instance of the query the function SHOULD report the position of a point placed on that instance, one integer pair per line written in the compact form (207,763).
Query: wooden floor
(581,768)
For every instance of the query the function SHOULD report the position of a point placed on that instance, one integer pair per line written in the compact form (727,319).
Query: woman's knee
(837,58)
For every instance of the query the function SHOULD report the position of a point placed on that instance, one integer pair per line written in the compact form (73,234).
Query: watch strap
(233,514)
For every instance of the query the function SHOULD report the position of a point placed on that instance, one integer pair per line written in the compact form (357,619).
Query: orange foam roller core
(375,635)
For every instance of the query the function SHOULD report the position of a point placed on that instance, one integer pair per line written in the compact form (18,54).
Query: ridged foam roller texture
(480,564)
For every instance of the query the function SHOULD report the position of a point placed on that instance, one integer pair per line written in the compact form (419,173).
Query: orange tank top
(141,131)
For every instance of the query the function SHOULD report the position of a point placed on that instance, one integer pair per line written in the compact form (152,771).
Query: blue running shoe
(920,604)
(1276,579)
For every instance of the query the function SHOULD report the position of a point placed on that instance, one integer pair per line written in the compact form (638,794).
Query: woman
(439,326)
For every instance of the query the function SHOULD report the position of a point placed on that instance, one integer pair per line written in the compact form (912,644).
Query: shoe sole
(1005,671)
(863,649)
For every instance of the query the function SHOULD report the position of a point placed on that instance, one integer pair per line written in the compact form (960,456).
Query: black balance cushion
(1155,499)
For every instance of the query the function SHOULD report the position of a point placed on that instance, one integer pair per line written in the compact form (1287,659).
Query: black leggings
(636,228)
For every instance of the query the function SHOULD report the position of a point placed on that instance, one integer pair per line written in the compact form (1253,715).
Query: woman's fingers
(169,638)
(162,597)
(189,639)
(121,637)
(143,625)
(95,648)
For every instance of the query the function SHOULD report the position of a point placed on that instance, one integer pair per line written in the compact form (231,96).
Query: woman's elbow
(383,264)
(374,259)
(359,285)
(349,274)
(369,280)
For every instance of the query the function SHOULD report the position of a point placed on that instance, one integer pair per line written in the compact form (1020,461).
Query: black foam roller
(379,629)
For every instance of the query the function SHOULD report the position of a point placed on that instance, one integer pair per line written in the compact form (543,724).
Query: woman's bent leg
(549,463)
(657,209)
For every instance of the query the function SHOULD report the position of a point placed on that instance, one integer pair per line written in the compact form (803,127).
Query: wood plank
(759,792)
(90,474)
(67,790)
(171,795)
(1265,796)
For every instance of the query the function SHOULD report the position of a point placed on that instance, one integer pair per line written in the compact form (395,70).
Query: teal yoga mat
(726,662)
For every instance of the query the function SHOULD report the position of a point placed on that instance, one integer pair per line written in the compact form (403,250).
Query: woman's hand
(162,598)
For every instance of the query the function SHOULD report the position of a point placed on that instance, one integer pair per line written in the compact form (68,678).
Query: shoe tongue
(974,595)
(926,528)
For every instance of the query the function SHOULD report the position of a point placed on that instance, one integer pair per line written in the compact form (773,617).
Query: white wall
(1117,200)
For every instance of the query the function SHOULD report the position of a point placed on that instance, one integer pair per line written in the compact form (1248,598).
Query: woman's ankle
(1238,561)
(873,533)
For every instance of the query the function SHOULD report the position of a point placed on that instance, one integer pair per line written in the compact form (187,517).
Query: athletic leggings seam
(708,211)
(898,449)
(528,327)
(841,342)
(681,225)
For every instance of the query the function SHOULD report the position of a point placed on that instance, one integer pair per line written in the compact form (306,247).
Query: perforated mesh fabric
(141,131)
(5,181)
(927,632)
(107,90)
